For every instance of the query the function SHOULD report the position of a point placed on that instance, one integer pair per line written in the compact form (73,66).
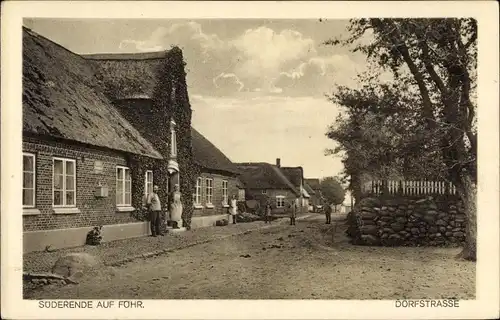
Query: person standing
(293,213)
(154,206)
(234,208)
(328,212)
(267,213)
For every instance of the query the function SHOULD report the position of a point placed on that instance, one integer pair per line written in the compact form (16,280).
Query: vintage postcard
(250,160)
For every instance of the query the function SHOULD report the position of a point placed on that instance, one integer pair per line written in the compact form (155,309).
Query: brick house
(136,77)
(90,153)
(315,199)
(77,152)
(267,182)
(296,176)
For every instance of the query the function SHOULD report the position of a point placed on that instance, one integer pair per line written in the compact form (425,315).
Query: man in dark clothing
(267,213)
(154,207)
(293,213)
(328,212)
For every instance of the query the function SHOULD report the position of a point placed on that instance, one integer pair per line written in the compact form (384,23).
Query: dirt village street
(281,262)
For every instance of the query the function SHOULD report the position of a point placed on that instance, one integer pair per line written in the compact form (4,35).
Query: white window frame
(173,140)
(31,155)
(65,161)
(280,202)
(209,191)
(146,181)
(123,183)
(225,198)
(198,190)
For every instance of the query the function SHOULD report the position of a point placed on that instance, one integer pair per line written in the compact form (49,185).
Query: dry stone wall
(429,221)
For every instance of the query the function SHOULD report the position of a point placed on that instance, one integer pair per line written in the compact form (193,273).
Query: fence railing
(405,187)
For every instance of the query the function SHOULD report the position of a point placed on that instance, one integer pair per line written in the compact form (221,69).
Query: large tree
(332,190)
(436,59)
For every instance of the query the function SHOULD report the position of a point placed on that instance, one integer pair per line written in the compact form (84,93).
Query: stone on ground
(75,265)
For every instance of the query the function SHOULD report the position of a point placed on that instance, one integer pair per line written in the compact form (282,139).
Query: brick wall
(93,211)
(218,208)
(272,193)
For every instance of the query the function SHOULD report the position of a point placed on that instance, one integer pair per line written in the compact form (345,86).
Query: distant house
(267,182)
(296,176)
(315,199)
(311,194)
(93,146)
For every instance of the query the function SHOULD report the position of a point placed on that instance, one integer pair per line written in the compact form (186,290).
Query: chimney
(278,162)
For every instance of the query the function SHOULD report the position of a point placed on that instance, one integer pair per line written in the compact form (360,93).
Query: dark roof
(313,183)
(309,189)
(205,153)
(61,99)
(130,75)
(208,156)
(261,175)
(294,175)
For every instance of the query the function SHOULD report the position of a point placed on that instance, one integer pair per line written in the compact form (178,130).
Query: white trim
(33,156)
(225,197)
(209,203)
(198,191)
(209,206)
(66,210)
(31,212)
(123,182)
(146,181)
(64,161)
(225,206)
(198,206)
(125,209)
(277,202)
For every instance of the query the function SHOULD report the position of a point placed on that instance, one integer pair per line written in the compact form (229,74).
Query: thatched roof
(308,188)
(205,153)
(313,183)
(208,156)
(128,75)
(294,175)
(263,175)
(61,100)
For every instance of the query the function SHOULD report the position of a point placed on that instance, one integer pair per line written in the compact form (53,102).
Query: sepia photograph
(250,159)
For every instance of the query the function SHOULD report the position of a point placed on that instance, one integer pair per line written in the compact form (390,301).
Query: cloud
(257,60)
(318,75)
(228,82)
(267,50)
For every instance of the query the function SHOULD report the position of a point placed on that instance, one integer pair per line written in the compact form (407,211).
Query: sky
(257,87)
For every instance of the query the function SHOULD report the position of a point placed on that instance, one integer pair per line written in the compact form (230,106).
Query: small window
(197,196)
(280,201)
(29,182)
(209,185)
(64,182)
(148,182)
(173,140)
(123,187)
(224,192)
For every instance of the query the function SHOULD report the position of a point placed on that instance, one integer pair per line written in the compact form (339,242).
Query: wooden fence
(412,188)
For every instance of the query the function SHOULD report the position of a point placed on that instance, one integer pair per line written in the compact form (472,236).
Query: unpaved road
(283,262)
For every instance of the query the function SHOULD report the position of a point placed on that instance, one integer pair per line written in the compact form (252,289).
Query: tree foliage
(332,190)
(426,116)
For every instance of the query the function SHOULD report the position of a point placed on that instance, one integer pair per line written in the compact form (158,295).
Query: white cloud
(225,80)
(266,51)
